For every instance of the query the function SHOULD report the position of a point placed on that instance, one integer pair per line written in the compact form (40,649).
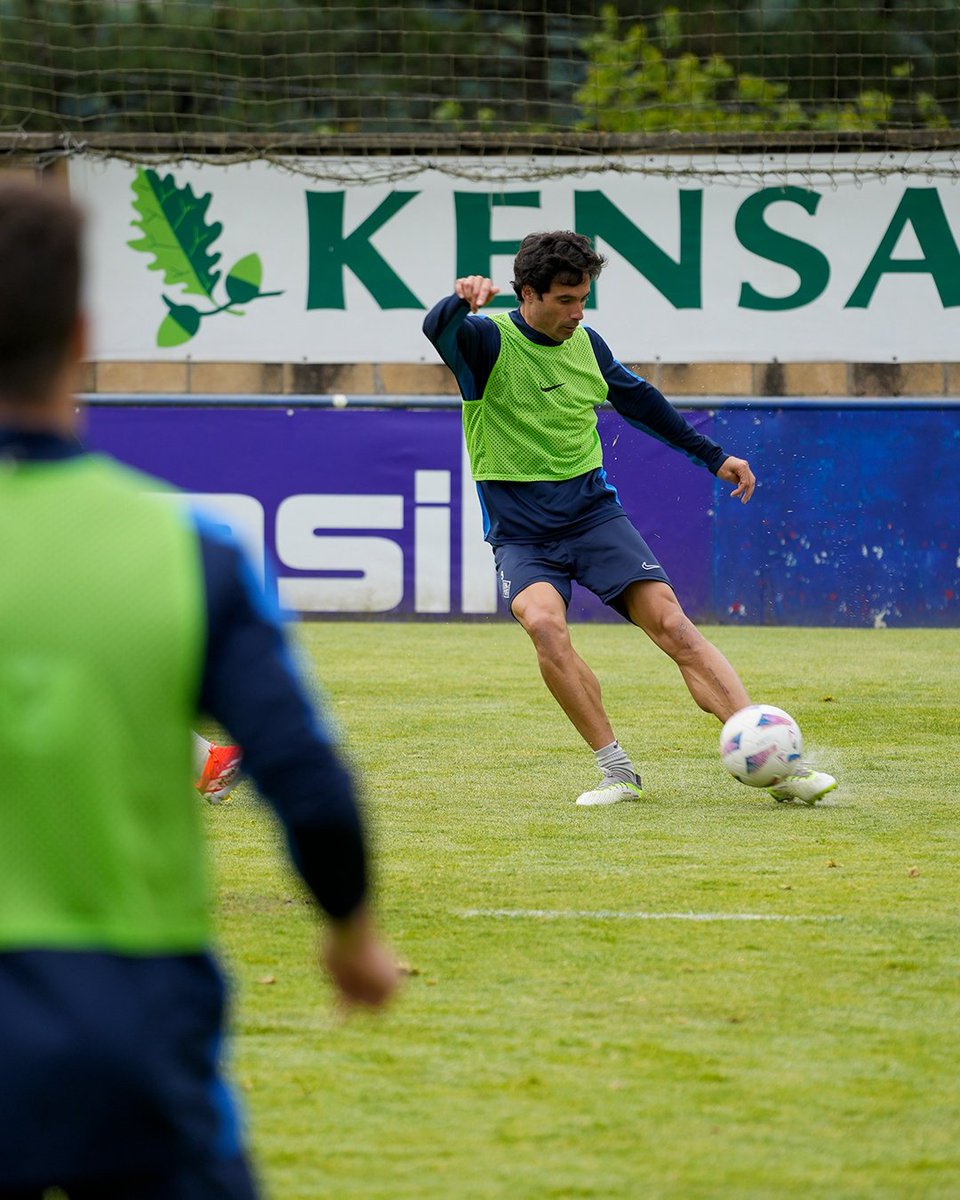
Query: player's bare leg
(541,611)
(712,681)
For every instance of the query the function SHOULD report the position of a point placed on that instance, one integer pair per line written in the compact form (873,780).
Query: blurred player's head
(559,257)
(41,333)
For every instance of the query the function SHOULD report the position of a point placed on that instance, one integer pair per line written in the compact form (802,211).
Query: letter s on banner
(371,568)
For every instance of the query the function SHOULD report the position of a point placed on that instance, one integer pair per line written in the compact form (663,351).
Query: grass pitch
(701,995)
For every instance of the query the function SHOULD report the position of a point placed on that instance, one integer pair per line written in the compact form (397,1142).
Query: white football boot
(612,792)
(805,787)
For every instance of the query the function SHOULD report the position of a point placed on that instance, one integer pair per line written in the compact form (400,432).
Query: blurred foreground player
(120,622)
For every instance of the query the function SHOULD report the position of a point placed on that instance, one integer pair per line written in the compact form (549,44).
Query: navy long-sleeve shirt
(553,509)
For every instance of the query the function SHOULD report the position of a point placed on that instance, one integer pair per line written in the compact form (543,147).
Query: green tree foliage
(212,68)
(190,66)
(636,83)
(641,84)
(834,51)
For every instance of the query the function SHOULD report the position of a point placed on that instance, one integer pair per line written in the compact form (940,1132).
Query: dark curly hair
(560,256)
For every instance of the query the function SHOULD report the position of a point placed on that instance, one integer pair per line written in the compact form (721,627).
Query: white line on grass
(574,914)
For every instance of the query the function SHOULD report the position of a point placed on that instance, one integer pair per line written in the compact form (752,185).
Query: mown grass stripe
(574,914)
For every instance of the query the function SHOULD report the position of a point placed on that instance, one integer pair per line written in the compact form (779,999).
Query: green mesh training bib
(101,635)
(537,416)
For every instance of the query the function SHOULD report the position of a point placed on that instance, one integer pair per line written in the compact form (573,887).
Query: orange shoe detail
(221,773)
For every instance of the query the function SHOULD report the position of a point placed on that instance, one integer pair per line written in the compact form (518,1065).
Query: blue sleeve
(646,408)
(251,686)
(468,344)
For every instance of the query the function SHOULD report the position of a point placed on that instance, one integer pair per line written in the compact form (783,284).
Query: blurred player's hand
(477,290)
(361,966)
(737,470)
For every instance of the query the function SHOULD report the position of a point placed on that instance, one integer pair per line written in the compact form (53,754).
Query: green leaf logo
(243,282)
(179,325)
(173,222)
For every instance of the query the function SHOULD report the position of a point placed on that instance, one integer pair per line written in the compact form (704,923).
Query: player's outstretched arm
(737,470)
(477,290)
(250,686)
(360,964)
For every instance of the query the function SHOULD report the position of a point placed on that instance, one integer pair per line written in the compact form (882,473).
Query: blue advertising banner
(857,519)
(373,511)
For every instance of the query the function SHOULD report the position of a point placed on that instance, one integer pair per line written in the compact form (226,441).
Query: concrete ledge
(147,378)
(431,379)
(232,377)
(897,379)
(716,379)
(811,379)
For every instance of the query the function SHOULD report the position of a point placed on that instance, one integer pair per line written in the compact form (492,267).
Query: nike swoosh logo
(552,387)
(650,566)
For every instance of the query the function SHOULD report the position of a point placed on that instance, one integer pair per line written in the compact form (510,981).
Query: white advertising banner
(258,263)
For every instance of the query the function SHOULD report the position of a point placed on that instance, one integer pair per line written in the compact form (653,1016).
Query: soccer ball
(761,745)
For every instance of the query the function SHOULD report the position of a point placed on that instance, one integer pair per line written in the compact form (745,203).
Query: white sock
(201,748)
(614,763)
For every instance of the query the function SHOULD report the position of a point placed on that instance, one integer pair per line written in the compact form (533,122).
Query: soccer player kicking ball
(531,381)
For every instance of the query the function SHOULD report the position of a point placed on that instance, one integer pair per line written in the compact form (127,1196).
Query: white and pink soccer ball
(761,745)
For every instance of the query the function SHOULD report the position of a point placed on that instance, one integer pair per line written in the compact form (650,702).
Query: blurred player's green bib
(101,633)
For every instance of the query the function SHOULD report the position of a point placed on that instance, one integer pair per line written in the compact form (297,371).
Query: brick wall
(413,379)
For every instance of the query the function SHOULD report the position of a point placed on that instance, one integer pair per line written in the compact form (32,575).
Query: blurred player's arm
(252,688)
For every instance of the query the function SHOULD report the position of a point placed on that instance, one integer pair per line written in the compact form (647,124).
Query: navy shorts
(112,1085)
(606,559)
(213,1180)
